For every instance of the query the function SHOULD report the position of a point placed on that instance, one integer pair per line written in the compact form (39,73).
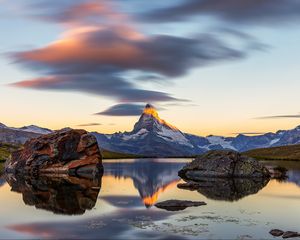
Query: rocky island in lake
(223,164)
(66,151)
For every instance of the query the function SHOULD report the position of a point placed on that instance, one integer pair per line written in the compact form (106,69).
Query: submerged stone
(276,232)
(290,234)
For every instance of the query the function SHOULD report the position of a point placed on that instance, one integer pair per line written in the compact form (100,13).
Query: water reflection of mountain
(60,195)
(150,177)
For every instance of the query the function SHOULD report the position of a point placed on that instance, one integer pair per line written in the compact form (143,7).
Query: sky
(219,67)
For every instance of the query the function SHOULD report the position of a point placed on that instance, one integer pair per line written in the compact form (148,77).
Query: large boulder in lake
(65,151)
(223,164)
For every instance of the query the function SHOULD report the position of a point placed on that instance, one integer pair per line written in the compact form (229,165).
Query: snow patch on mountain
(274,141)
(174,136)
(219,140)
(35,129)
(141,133)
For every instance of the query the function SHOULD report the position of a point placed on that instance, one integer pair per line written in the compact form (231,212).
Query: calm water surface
(120,205)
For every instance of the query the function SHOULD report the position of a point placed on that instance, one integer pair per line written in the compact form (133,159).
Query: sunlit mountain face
(150,177)
(150,114)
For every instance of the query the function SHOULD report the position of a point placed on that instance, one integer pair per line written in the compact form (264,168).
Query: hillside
(115,155)
(291,152)
(15,135)
(5,150)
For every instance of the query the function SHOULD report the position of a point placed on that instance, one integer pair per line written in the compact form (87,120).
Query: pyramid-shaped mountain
(153,136)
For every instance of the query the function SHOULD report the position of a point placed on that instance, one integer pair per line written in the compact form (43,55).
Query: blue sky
(211,66)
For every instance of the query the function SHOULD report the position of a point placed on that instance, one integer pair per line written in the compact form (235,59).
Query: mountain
(36,129)
(20,135)
(152,136)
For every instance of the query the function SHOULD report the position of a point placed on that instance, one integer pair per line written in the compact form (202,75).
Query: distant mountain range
(154,137)
(20,135)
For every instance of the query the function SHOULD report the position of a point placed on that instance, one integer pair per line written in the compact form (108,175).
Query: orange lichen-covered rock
(63,151)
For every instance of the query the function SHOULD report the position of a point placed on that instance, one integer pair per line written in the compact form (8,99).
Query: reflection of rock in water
(227,189)
(61,195)
(2,180)
(294,177)
(149,177)
(285,171)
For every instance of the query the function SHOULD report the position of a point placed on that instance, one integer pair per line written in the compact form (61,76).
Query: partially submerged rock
(177,205)
(223,164)
(276,232)
(290,234)
(65,151)
(283,234)
(190,185)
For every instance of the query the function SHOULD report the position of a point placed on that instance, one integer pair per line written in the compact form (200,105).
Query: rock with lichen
(223,164)
(64,151)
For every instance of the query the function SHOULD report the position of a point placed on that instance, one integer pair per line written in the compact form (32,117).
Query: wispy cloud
(99,61)
(280,116)
(89,124)
(123,110)
(101,58)
(260,12)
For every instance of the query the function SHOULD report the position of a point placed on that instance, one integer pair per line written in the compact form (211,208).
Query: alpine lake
(121,204)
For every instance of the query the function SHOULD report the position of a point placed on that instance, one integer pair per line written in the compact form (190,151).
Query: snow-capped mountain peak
(36,129)
(2,125)
(20,135)
(151,121)
(151,136)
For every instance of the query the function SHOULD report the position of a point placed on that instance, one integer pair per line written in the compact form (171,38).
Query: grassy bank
(291,152)
(1,167)
(115,155)
(5,150)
